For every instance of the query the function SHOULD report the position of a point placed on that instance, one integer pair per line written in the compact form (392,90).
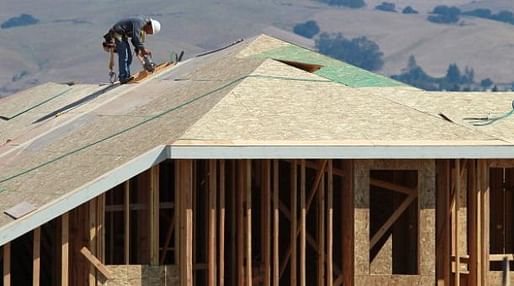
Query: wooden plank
(20,210)
(472,223)
(501,257)
(303,216)
(330,223)
(221,263)
(92,239)
(186,194)
(154,215)
(276,259)
(36,257)
(126,221)
(211,252)
(443,223)
(266,219)
(485,212)
(348,223)
(96,263)
(240,223)
(456,214)
(391,220)
(392,186)
(248,193)
(100,238)
(7,264)
(321,232)
(478,223)
(65,225)
(294,211)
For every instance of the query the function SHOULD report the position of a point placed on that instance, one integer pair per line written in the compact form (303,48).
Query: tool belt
(110,40)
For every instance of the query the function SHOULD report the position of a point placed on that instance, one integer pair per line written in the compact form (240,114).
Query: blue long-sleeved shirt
(131,28)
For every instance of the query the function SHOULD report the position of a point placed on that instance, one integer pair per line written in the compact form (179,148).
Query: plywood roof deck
(237,95)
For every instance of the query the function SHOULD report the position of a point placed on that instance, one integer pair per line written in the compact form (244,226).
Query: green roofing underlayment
(332,69)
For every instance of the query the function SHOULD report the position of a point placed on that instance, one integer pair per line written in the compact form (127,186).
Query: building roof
(62,145)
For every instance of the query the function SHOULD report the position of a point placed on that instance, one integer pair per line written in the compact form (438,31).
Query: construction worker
(117,40)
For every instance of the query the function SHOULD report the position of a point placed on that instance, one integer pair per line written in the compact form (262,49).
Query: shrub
(409,10)
(22,20)
(386,6)
(308,29)
(346,3)
(444,15)
(358,51)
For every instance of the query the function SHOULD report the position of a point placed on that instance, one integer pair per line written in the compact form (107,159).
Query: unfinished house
(262,163)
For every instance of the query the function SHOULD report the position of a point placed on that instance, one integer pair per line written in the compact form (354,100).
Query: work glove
(145,52)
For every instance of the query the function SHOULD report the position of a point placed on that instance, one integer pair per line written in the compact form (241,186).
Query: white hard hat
(156,26)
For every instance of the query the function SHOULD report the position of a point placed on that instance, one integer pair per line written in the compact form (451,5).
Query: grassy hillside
(66,45)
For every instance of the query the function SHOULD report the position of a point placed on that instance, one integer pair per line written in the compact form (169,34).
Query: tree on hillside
(308,29)
(409,10)
(443,14)
(481,13)
(346,3)
(358,51)
(486,83)
(504,16)
(386,6)
(22,20)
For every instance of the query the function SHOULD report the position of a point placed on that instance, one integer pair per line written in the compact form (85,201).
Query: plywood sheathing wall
(426,222)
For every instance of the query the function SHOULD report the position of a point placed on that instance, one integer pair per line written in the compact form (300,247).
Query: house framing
(260,164)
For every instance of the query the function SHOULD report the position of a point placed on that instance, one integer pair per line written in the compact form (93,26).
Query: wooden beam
(456,214)
(92,239)
(330,223)
(126,220)
(65,246)
(485,213)
(154,215)
(266,219)
(294,211)
(248,193)
(392,186)
(443,222)
(303,216)
(240,223)
(276,259)
(391,220)
(7,264)
(211,252)
(185,189)
(347,224)
(36,257)
(472,194)
(321,232)
(96,263)
(221,266)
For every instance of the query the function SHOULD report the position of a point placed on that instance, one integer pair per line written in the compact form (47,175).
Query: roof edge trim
(493,151)
(83,194)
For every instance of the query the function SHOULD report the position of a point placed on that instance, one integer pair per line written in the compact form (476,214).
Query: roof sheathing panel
(332,69)
(21,102)
(289,109)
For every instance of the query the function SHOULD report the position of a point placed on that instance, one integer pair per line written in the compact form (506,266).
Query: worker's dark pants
(124,58)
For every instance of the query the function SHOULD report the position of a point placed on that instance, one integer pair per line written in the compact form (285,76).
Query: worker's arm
(137,37)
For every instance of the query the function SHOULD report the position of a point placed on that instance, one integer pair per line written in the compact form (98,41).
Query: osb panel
(143,275)
(496,278)
(394,280)
(383,262)
(261,44)
(426,204)
(12,105)
(460,105)
(318,111)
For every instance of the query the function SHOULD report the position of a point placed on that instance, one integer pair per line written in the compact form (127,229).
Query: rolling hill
(66,44)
